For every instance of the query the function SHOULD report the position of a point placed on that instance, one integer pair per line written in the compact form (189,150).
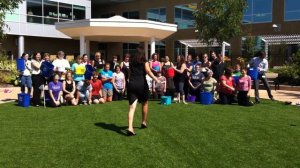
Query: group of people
(139,78)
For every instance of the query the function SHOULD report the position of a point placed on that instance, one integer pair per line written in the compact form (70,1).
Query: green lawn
(266,135)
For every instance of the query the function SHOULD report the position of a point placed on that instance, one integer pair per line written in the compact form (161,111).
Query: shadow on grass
(112,127)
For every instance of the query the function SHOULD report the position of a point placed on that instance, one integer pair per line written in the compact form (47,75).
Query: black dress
(138,88)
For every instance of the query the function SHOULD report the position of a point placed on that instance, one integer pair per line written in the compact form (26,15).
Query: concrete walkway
(9,94)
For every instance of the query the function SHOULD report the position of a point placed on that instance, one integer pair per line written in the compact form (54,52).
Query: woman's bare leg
(131,115)
(144,112)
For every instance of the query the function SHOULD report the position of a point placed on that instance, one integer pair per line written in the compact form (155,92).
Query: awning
(281,39)
(195,43)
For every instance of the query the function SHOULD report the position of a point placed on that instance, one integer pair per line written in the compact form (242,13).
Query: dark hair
(84,55)
(35,54)
(261,53)
(46,54)
(182,60)
(152,56)
(228,72)
(23,55)
(139,56)
(117,66)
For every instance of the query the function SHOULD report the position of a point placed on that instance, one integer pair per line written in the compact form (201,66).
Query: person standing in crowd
(119,84)
(261,63)
(180,70)
(155,64)
(98,63)
(78,69)
(197,62)
(138,90)
(37,78)
(46,59)
(114,63)
(213,56)
(189,70)
(85,60)
(25,75)
(107,90)
(69,89)
(61,65)
(237,70)
(218,67)
(169,73)
(55,91)
(97,89)
(226,89)
(159,89)
(84,90)
(125,67)
(206,62)
(195,81)
(244,88)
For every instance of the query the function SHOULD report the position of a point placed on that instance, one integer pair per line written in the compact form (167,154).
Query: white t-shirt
(61,65)
(119,78)
(36,71)
(27,70)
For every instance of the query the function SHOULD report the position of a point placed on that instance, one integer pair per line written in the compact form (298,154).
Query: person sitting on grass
(209,83)
(107,76)
(69,89)
(244,88)
(97,89)
(55,91)
(159,88)
(226,89)
(84,89)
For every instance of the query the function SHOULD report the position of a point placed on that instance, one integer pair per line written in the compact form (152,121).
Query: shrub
(8,71)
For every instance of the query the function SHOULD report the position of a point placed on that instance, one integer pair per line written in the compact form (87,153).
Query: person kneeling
(55,91)
(97,89)
(84,89)
(69,89)
(226,90)
(244,87)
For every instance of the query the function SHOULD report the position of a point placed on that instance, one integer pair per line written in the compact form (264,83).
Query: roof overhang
(281,39)
(116,29)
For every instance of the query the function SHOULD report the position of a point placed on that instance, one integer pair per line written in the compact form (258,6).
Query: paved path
(10,94)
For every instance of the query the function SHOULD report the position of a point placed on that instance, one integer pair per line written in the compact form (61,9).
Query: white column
(186,51)
(82,45)
(87,47)
(266,49)
(223,49)
(146,50)
(152,45)
(20,46)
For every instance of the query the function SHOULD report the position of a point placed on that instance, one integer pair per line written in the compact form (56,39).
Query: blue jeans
(26,81)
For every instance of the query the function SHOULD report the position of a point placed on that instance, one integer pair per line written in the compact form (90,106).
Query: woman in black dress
(138,90)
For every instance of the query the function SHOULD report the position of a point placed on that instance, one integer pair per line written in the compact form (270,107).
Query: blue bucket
(47,69)
(206,98)
(166,100)
(23,100)
(20,64)
(253,73)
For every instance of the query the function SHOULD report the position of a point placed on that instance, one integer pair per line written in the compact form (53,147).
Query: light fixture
(277,27)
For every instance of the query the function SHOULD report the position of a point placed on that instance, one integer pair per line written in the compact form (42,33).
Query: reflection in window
(65,12)
(291,10)
(258,11)
(79,12)
(157,14)
(131,15)
(50,12)
(34,11)
(184,16)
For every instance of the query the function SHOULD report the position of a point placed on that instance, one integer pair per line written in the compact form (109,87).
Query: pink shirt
(244,83)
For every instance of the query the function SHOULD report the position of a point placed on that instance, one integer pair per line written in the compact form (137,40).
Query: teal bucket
(166,100)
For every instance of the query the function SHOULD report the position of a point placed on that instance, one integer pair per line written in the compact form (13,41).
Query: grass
(266,135)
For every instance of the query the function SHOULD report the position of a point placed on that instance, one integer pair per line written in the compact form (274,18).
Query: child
(159,88)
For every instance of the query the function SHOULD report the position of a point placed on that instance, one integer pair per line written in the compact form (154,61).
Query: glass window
(50,12)
(34,11)
(157,14)
(65,12)
(131,15)
(130,48)
(79,12)
(291,10)
(184,15)
(258,11)
(13,17)
(179,49)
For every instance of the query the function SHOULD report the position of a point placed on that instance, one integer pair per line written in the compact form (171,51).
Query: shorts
(96,97)
(107,92)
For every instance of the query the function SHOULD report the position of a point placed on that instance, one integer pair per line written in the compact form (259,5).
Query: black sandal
(129,133)
(143,126)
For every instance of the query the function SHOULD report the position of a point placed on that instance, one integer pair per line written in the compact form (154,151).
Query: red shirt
(229,81)
(97,86)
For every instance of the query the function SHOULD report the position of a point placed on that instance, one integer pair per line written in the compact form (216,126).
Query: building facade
(33,23)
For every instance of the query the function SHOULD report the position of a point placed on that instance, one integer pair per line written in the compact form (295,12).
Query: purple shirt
(55,88)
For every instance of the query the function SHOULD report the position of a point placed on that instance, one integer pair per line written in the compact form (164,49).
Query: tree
(219,19)
(6,6)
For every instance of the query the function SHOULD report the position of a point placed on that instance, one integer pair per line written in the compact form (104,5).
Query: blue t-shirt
(107,74)
(76,77)
(196,78)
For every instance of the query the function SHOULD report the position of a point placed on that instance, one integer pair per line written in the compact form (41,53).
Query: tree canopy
(5,7)
(219,19)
